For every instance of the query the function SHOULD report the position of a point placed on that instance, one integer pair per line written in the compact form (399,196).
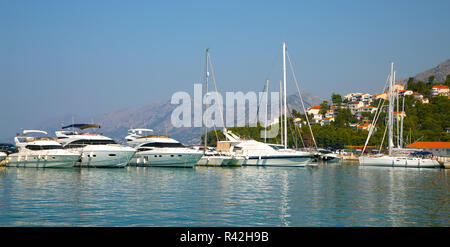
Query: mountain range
(440,72)
(157,116)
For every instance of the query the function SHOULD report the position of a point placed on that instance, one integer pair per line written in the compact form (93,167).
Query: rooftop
(429,145)
(315,107)
(441,86)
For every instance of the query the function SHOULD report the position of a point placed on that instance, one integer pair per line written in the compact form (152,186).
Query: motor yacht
(254,153)
(2,156)
(40,151)
(96,149)
(327,155)
(159,150)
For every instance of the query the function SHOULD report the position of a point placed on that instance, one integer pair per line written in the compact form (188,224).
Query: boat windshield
(164,145)
(84,142)
(43,147)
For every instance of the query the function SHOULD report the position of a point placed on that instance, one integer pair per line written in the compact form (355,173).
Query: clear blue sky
(88,57)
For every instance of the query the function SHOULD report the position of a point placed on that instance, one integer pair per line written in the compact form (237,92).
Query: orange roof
(416,93)
(429,145)
(367,107)
(315,107)
(364,125)
(441,86)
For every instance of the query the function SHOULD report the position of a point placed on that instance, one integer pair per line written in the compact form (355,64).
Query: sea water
(342,194)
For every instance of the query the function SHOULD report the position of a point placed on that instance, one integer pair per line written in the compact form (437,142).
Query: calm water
(328,195)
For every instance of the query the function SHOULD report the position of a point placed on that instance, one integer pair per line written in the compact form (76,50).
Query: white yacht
(214,158)
(327,156)
(393,159)
(157,150)
(40,152)
(254,153)
(2,156)
(96,150)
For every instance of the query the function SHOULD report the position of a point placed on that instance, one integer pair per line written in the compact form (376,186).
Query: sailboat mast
(397,115)
(391,108)
(284,95)
(281,114)
(206,93)
(401,121)
(265,119)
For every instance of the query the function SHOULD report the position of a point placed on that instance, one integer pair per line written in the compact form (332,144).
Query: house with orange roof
(328,120)
(354,105)
(313,110)
(384,96)
(417,95)
(365,126)
(440,90)
(437,148)
(370,109)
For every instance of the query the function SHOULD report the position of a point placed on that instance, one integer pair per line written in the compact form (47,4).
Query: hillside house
(440,90)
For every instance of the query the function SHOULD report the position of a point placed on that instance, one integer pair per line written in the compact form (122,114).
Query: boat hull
(2,156)
(219,161)
(99,156)
(279,161)
(156,159)
(407,162)
(42,161)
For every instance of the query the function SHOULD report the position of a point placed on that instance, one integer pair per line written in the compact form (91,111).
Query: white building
(440,90)
(354,106)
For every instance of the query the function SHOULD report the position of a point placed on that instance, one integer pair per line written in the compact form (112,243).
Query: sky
(90,57)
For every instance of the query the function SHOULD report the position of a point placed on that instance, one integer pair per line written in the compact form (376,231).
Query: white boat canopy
(34,131)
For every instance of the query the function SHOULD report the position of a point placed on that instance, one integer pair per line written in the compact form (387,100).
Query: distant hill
(440,72)
(155,115)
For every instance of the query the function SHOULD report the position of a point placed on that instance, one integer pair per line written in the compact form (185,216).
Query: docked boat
(393,159)
(40,151)
(158,150)
(214,158)
(96,149)
(327,155)
(8,148)
(2,156)
(253,153)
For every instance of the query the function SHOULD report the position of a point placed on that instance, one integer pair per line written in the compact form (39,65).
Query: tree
(447,80)
(430,79)
(324,108)
(336,99)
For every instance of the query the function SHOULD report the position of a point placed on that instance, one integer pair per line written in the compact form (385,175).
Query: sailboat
(393,159)
(211,157)
(254,153)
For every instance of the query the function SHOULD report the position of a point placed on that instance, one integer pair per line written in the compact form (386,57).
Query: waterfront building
(437,148)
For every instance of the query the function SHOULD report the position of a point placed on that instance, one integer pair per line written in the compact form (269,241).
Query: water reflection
(328,195)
